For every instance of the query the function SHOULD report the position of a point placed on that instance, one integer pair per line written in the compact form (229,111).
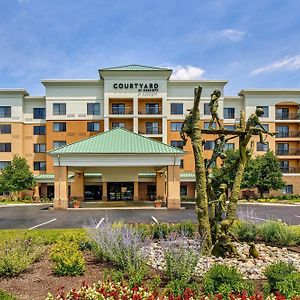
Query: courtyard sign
(141,87)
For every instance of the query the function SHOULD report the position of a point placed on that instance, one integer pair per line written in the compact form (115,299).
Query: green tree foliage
(17,177)
(262,172)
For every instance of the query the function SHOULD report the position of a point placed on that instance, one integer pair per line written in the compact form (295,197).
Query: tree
(17,177)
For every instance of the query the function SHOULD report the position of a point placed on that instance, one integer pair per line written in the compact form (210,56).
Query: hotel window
(59,126)
(93,109)
(284,166)
(39,113)
(266,111)
(209,145)
(4,164)
(59,109)
(178,144)
(181,164)
(117,109)
(4,193)
(288,189)
(176,108)
(118,125)
(92,126)
(39,165)
(152,109)
(57,144)
(5,147)
(265,126)
(5,128)
(206,125)
(283,131)
(176,126)
(282,113)
(39,148)
(283,149)
(230,127)
(262,147)
(39,130)
(5,112)
(152,128)
(229,112)
(229,146)
(206,109)
(183,190)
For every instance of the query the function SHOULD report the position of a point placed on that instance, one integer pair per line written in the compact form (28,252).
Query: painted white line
(100,222)
(260,219)
(155,220)
(42,224)
(297,216)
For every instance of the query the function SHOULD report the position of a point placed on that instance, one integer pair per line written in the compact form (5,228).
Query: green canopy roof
(117,141)
(135,68)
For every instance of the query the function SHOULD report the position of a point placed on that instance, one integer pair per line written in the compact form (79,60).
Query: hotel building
(107,138)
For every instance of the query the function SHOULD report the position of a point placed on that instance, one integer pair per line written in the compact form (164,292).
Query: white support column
(164,130)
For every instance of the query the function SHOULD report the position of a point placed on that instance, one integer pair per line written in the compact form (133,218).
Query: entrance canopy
(120,156)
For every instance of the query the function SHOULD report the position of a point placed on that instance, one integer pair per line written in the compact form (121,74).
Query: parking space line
(297,216)
(42,224)
(260,219)
(100,222)
(155,220)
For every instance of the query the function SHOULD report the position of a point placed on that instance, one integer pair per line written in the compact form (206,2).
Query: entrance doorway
(92,192)
(120,191)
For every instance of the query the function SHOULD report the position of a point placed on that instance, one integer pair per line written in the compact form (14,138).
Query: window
(4,193)
(39,165)
(209,145)
(181,164)
(117,109)
(57,144)
(59,109)
(266,111)
(178,144)
(183,190)
(230,127)
(4,164)
(282,113)
(39,130)
(94,108)
(288,189)
(284,166)
(262,147)
(5,128)
(152,109)
(59,126)
(176,108)
(283,131)
(229,112)
(5,111)
(5,147)
(265,126)
(229,146)
(152,128)
(176,126)
(39,148)
(206,125)
(282,149)
(206,109)
(39,113)
(118,125)
(92,126)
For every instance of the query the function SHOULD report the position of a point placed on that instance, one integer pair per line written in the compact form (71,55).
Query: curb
(123,208)
(25,204)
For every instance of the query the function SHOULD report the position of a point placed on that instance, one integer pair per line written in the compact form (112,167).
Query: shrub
(278,233)
(67,258)
(283,278)
(16,256)
(6,296)
(245,231)
(187,228)
(161,230)
(221,279)
(123,246)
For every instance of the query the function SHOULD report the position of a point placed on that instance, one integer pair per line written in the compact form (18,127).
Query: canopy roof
(117,141)
(135,68)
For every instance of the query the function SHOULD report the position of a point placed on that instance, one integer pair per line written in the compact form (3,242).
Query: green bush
(187,228)
(221,279)
(283,278)
(161,230)
(6,296)
(16,256)
(67,258)
(177,287)
(245,231)
(278,233)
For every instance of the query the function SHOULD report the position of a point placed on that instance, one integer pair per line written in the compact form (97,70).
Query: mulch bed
(38,280)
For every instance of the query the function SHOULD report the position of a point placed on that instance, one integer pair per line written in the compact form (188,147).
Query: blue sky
(252,44)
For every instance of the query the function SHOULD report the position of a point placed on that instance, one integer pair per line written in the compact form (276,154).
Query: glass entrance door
(120,191)
(92,192)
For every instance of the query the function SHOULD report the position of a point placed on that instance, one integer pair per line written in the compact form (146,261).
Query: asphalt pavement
(26,217)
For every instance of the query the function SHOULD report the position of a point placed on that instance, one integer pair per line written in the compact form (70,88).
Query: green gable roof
(135,68)
(118,140)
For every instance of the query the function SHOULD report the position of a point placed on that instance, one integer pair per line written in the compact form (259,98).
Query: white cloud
(187,72)
(233,34)
(288,63)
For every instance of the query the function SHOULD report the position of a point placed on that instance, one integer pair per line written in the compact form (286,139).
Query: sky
(252,43)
